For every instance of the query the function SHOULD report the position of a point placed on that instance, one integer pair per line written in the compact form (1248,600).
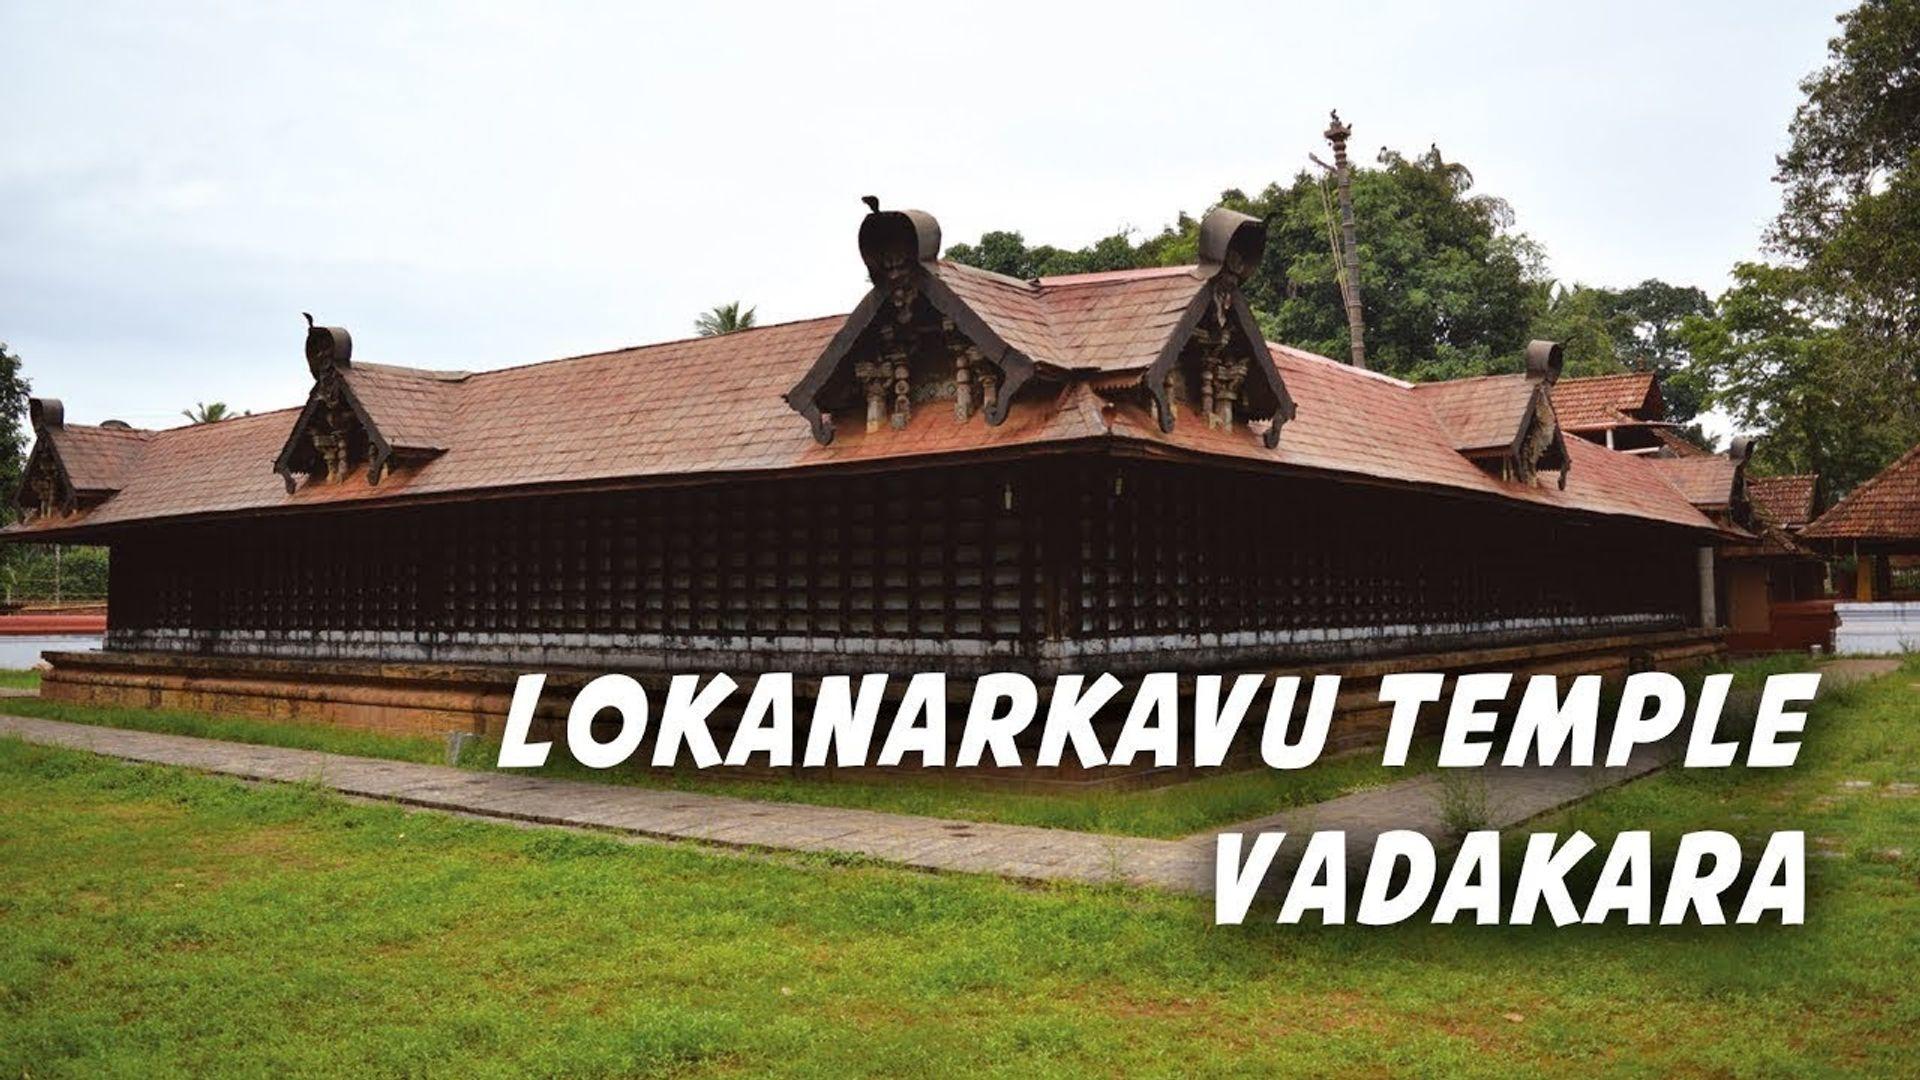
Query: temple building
(1875,524)
(1109,471)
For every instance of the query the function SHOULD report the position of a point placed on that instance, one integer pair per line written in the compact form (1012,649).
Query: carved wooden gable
(334,435)
(911,342)
(1216,361)
(44,486)
(74,468)
(1540,446)
(44,489)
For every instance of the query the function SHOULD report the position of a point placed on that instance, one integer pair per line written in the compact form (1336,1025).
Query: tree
(724,319)
(1647,321)
(1582,320)
(13,432)
(207,412)
(1450,288)
(1781,364)
(1636,329)
(1820,349)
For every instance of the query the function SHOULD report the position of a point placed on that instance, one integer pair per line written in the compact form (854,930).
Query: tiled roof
(1480,414)
(97,458)
(1603,401)
(1114,321)
(1886,507)
(1706,481)
(411,407)
(1786,501)
(713,406)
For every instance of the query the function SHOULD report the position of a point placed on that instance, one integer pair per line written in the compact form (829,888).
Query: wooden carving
(45,486)
(1215,358)
(1542,446)
(912,339)
(332,429)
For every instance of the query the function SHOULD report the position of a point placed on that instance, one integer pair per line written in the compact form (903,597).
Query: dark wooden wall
(1024,563)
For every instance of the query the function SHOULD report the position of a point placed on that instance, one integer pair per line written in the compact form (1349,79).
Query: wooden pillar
(1709,616)
(1866,578)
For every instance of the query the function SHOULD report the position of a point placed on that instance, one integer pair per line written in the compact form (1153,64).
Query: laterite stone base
(431,700)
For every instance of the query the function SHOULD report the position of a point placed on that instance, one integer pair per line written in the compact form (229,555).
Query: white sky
(475,186)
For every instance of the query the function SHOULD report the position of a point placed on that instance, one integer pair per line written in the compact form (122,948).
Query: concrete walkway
(1014,851)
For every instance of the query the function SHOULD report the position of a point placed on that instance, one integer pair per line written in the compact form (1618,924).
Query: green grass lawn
(15,679)
(154,922)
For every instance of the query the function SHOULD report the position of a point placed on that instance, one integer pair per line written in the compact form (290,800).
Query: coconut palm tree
(211,412)
(724,319)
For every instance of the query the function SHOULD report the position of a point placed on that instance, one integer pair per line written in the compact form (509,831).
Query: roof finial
(328,348)
(873,203)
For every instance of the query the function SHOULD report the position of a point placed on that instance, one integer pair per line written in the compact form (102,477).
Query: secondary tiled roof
(711,406)
(1707,482)
(1786,501)
(1885,508)
(1114,321)
(411,407)
(97,459)
(1604,401)
(1481,414)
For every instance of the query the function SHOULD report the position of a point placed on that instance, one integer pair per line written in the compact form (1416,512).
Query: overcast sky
(476,186)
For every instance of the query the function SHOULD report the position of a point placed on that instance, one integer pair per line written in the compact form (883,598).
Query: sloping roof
(1707,482)
(1484,413)
(411,407)
(1885,508)
(97,459)
(1117,321)
(711,406)
(1603,401)
(1785,501)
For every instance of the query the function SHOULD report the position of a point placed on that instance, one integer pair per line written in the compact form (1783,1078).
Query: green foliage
(724,319)
(1464,800)
(32,572)
(1007,253)
(207,412)
(1781,364)
(1821,350)
(14,432)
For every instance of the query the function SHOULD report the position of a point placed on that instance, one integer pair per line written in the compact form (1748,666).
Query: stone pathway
(1021,852)
(1014,851)
(1842,672)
